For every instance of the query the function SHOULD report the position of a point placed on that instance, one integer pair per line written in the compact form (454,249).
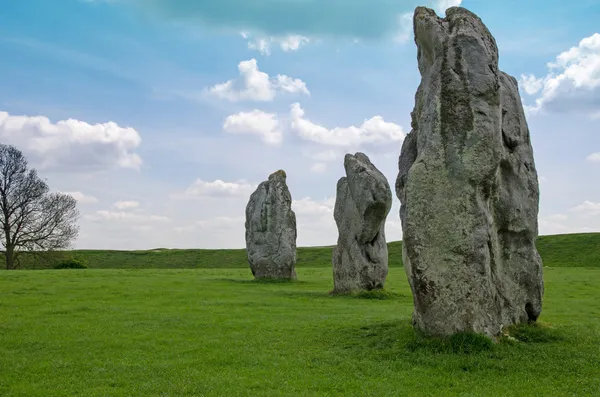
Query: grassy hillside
(568,250)
(215,332)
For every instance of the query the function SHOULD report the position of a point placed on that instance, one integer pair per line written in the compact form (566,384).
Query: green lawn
(214,332)
(578,250)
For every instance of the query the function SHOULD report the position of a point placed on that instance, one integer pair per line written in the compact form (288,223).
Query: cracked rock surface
(363,201)
(271,230)
(468,185)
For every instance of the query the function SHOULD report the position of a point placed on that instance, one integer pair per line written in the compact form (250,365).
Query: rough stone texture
(271,230)
(468,185)
(363,201)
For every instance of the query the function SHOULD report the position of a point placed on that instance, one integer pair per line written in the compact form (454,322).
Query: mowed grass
(578,250)
(215,332)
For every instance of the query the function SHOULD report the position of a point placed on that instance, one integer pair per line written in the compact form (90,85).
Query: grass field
(194,323)
(214,332)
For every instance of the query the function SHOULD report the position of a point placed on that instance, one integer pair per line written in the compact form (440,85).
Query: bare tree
(31,218)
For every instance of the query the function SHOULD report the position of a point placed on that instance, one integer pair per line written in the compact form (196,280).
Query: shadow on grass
(374,295)
(262,281)
(394,340)
(377,294)
(304,294)
(531,333)
(401,337)
(459,343)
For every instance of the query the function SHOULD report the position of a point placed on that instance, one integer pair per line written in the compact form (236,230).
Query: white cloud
(372,131)
(71,145)
(442,5)
(552,226)
(531,84)
(286,43)
(219,223)
(322,158)
(556,217)
(587,208)
(256,122)
(126,205)
(82,198)
(316,226)
(318,168)
(292,42)
(326,156)
(254,85)
(594,157)
(405,32)
(123,216)
(309,206)
(563,224)
(572,84)
(217,189)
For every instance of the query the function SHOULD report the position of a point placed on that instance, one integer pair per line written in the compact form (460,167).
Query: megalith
(468,185)
(363,201)
(271,230)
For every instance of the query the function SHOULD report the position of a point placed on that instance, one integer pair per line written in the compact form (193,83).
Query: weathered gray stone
(468,185)
(363,201)
(271,230)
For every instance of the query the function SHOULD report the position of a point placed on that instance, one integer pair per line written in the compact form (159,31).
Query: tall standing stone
(271,230)
(363,201)
(468,185)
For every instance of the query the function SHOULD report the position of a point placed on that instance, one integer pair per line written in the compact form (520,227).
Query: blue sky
(162,116)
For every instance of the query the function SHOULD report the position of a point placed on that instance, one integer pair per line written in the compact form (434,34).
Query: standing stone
(363,201)
(271,230)
(468,185)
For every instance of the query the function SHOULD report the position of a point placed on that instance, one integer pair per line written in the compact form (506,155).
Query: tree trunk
(10,258)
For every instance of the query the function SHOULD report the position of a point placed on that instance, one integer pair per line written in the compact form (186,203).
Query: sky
(162,116)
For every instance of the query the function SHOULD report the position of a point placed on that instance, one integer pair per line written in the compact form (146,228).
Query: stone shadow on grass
(374,295)
(261,281)
(537,332)
(398,339)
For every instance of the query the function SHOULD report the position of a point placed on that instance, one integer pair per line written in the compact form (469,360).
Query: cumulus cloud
(71,145)
(254,85)
(322,158)
(126,205)
(587,208)
(219,223)
(405,27)
(309,206)
(255,122)
(441,6)
(373,131)
(124,216)
(572,84)
(82,198)
(553,224)
(318,168)
(327,155)
(556,218)
(264,45)
(594,157)
(531,84)
(563,224)
(217,189)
